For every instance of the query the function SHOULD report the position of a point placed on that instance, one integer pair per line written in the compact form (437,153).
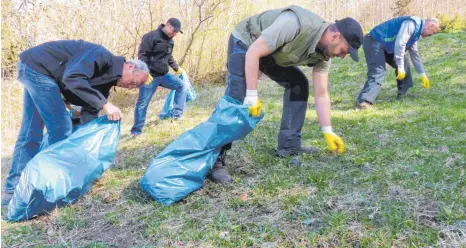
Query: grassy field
(401,182)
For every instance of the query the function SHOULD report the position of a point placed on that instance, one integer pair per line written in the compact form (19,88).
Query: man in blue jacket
(156,50)
(83,73)
(388,43)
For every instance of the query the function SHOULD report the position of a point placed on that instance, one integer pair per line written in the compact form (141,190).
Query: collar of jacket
(117,67)
(162,34)
(116,71)
(315,47)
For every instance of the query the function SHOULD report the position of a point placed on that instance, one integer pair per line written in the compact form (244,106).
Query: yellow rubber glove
(149,79)
(401,74)
(178,73)
(425,81)
(256,109)
(334,142)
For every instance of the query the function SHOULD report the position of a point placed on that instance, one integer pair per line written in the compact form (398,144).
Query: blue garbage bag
(182,166)
(64,171)
(167,110)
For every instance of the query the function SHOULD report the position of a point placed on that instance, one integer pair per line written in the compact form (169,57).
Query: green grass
(400,183)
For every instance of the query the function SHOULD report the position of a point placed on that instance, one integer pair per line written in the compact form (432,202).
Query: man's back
(48,58)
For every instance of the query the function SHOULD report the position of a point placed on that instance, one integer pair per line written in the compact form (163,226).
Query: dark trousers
(376,57)
(292,79)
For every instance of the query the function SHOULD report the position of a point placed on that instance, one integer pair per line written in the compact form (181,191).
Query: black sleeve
(78,72)
(172,62)
(144,47)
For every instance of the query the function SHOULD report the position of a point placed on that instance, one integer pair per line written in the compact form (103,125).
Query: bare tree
(205,11)
(402,7)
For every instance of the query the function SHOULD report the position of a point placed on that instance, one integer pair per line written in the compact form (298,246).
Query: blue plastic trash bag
(167,110)
(182,166)
(64,171)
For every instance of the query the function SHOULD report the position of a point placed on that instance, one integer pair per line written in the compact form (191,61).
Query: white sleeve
(405,33)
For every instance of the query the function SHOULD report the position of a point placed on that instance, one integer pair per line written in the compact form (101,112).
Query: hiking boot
(363,105)
(219,173)
(6,198)
(400,96)
(296,151)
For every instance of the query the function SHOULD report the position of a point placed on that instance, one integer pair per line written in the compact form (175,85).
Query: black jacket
(156,50)
(84,71)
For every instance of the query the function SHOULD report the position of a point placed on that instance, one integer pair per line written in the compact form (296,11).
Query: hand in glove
(252,99)
(335,143)
(425,81)
(401,73)
(149,80)
(180,70)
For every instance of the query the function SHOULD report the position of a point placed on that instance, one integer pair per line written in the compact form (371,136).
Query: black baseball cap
(176,24)
(352,31)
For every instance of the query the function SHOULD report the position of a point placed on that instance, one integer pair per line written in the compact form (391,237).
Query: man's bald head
(431,26)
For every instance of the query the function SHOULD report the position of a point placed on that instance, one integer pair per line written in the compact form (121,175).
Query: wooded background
(201,50)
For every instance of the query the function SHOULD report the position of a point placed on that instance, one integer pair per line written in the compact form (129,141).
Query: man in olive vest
(388,43)
(276,42)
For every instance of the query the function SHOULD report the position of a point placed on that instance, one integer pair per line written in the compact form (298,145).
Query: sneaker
(363,105)
(6,198)
(219,173)
(296,151)
(400,96)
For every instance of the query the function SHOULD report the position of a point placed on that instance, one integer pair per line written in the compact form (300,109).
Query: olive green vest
(301,50)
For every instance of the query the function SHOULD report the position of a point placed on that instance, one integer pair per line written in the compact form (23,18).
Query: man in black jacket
(156,50)
(83,73)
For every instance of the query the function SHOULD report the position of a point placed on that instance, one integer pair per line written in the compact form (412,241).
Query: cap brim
(354,54)
(179,31)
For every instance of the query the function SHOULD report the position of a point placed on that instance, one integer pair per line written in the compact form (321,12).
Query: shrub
(450,24)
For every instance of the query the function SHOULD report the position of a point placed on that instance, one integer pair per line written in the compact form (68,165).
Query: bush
(452,23)
(10,46)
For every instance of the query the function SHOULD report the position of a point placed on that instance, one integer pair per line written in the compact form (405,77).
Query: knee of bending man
(299,93)
(300,90)
(182,87)
(376,76)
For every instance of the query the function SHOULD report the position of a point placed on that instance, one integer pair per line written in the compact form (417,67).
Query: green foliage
(10,47)
(452,23)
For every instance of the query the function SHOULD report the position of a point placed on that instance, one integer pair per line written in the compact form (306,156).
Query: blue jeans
(42,105)
(146,92)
